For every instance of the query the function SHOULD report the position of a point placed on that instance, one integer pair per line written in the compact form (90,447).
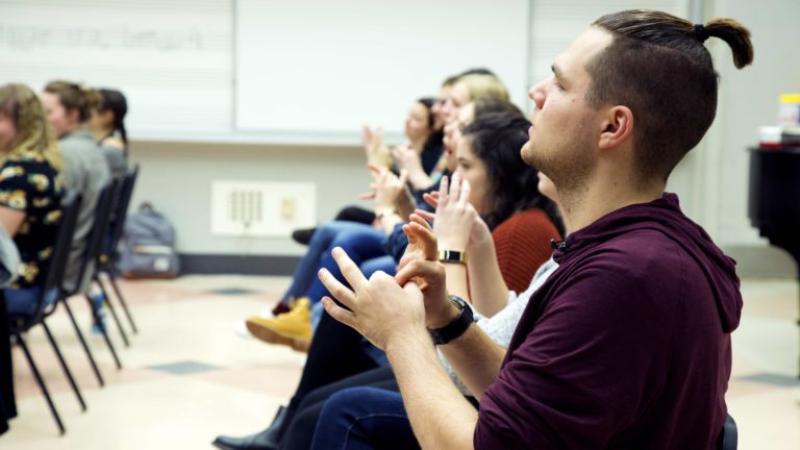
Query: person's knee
(346,403)
(358,401)
(384,264)
(326,233)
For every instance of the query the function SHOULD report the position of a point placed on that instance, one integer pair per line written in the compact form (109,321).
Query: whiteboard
(324,68)
(173,59)
(285,71)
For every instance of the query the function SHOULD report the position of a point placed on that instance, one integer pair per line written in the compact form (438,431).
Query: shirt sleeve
(582,373)
(19,188)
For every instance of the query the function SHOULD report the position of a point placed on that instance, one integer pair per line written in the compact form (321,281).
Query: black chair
(20,324)
(94,241)
(105,261)
(729,436)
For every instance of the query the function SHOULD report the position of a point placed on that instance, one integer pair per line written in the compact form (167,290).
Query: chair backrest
(729,436)
(70,207)
(96,238)
(119,213)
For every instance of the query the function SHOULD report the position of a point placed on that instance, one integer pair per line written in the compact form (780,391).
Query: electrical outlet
(257,208)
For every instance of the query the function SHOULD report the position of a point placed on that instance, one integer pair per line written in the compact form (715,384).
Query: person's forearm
(379,155)
(440,416)
(419,179)
(457,283)
(488,290)
(405,204)
(476,359)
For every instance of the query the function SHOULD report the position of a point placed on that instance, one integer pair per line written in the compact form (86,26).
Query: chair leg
(112,280)
(40,382)
(105,333)
(113,312)
(64,366)
(84,344)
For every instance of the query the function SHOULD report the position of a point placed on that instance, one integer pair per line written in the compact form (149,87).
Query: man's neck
(583,205)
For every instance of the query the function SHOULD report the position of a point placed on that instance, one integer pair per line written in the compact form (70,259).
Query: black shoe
(303,235)
(264,440)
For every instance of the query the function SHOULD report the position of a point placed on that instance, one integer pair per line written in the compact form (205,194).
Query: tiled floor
(188,376)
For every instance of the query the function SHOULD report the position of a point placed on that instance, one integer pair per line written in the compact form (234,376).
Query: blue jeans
(306,270)
(361,244)
(368,267)
(364,418)
(23,302)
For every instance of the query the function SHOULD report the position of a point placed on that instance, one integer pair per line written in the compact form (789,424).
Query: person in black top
(30,193)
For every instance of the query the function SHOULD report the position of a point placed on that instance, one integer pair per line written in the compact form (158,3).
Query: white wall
(712,181)
(749,98)
(176,178)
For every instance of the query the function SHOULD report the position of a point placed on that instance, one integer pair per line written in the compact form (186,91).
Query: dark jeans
(306,271)
(8,409)
(360,242)
(367,417)
(300,430)
(364,418)
(336,352)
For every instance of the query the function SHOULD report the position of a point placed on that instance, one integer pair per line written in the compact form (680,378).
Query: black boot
(303,235)
(264,440)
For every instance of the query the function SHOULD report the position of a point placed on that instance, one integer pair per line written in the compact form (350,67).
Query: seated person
(520,229)
(627,344)
(293,326)
(369,245)
(371,408)
(108,126)
(69,106)
(30,192)
(30,212)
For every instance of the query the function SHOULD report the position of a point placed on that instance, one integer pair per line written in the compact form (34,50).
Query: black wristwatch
(457,327)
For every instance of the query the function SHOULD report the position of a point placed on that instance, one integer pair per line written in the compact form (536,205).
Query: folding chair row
(97,259)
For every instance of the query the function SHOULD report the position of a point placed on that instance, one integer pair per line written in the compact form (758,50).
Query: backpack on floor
(147,246)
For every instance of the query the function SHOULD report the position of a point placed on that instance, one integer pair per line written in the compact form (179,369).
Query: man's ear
(73,115)
(617,127)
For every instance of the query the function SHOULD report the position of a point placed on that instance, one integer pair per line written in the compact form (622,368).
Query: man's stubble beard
(569,168)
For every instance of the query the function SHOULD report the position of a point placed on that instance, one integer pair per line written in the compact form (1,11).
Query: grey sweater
(87,172)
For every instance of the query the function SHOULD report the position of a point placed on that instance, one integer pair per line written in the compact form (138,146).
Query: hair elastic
(700,32)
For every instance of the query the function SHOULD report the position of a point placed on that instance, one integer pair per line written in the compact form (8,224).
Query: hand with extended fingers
(419,265)
(407,158)
(455,216)
(387,189)
(378,308)
(377,152)
(422,244)
(479,232)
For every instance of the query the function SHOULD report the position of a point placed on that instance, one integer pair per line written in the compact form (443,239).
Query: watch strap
(452,256)
(457,327)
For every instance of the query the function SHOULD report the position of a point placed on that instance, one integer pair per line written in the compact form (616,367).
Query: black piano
(774,199)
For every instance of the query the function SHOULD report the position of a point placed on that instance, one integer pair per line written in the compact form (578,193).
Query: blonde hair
(35,138)
(480,85)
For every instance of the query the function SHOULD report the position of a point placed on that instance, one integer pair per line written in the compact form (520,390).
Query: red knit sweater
(522,244)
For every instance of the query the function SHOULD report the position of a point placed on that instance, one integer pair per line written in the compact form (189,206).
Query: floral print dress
(29,184)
